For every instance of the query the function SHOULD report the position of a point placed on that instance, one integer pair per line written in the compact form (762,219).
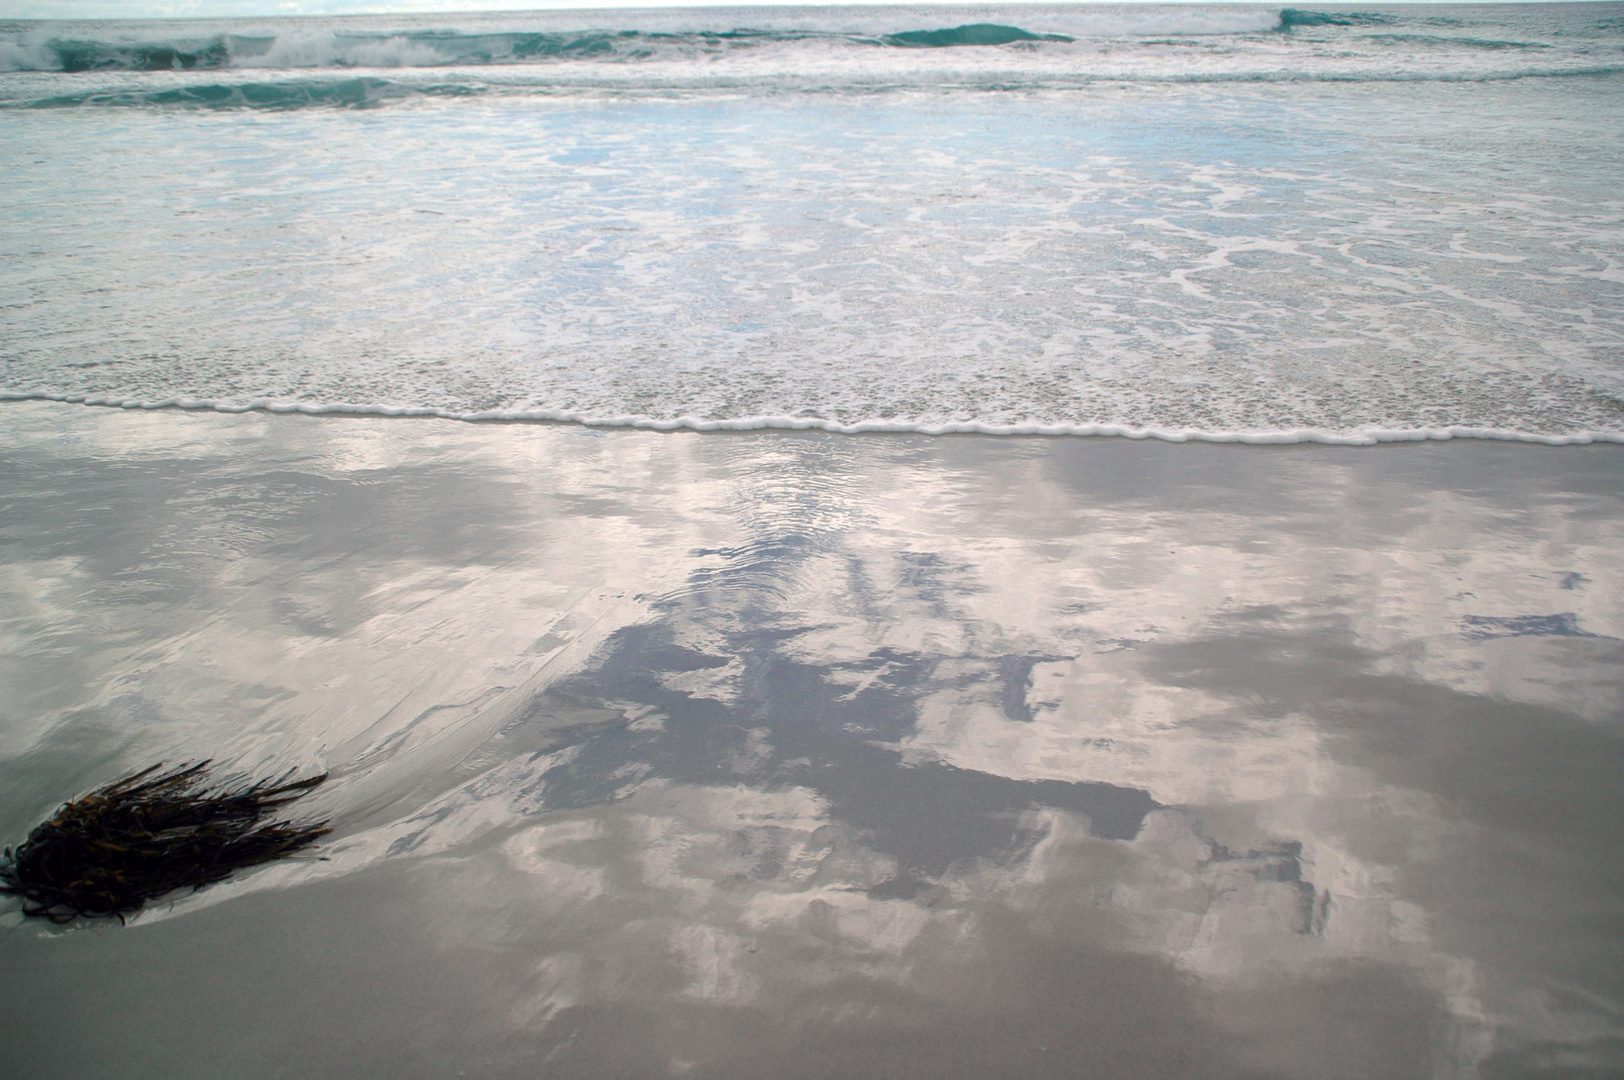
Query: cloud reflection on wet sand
(807,755)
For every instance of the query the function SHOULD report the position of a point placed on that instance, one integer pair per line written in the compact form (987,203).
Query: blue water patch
(74,56)
(355,93)
(973,34)
(1291,18)
(1483,627)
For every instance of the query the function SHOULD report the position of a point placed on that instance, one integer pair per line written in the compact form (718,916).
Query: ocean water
(1215,222)
(724,751)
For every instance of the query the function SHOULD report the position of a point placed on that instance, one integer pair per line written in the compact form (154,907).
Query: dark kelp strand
(149,834)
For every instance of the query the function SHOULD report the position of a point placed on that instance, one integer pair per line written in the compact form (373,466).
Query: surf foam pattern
(1249,260)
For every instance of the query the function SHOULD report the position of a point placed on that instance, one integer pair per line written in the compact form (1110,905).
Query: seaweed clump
(110,852)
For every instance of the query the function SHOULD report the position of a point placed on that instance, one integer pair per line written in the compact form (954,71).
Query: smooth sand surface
(783,755)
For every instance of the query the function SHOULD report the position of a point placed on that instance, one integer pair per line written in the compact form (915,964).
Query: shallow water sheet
(798,754)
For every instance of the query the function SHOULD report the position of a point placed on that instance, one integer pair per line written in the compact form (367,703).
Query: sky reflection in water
(787,755)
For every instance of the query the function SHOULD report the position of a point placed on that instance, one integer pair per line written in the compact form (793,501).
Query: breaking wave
(539,38)
(314,47)
(1292,18)
(367,62)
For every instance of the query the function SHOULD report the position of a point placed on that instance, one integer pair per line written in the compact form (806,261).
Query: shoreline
(1377,437)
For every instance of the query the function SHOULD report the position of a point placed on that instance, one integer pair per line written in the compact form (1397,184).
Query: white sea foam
(940,241)
(1356,437)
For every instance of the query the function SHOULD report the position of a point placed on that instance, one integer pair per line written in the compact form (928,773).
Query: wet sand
(790,755)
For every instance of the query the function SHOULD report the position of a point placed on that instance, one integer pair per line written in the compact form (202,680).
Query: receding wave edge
(1356,437)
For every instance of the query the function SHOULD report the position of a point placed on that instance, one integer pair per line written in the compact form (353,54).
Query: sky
(157,9)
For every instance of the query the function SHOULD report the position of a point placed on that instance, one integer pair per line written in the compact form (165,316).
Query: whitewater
(1227,223)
